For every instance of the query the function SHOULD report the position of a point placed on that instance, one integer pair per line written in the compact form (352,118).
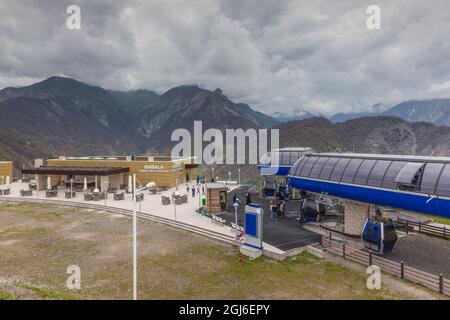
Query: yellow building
(6,169)
(164,171)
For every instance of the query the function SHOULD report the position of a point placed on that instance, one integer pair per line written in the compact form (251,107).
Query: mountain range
(65,116)
(436,111)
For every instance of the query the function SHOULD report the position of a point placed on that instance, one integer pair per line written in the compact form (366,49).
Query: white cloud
(275,55)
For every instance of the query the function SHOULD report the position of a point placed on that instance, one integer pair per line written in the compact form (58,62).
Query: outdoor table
(119,196)
(70,195)
(51,193)
(5,192)
(97,196)
(25,193)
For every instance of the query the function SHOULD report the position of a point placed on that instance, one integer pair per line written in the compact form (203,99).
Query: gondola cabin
(379,236)
(311,210)
(269,189)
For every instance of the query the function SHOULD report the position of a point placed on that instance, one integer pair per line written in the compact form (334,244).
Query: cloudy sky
(275,55)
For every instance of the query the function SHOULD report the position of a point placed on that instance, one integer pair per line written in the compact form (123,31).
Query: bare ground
(38,243)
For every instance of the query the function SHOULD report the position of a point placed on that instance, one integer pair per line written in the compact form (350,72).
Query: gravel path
(427,253)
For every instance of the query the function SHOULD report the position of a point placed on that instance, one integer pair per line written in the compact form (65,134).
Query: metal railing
(406,225)
(434,282)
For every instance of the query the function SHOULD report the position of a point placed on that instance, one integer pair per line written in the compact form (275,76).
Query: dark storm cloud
(276,55)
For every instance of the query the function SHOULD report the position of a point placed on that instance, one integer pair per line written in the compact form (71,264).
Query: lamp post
(236,206)
(105,191)
(213,173)
(174,207)
(229,177)
(71,188)
(239,176)
(3,190)
(148,185)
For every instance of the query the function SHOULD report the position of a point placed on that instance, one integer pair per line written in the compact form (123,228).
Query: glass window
(350,171)
(409,171)
(430,177)
(308,166)
(377,174)
(315,172)
(327,168)
(294,157)
(300,165)
(339,169)
(363,172)
(391,173)
(285,158)
(443,188)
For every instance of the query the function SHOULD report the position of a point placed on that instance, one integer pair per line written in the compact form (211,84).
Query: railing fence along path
(434,282)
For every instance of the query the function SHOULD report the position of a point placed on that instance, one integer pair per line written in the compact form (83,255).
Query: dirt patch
(39,242)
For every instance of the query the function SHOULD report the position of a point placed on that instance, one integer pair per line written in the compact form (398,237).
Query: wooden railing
(443,232)
(434,282)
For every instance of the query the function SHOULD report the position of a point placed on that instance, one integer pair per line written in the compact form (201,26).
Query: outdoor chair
(70,195)
(112,190)
(184,198)
(25,193)
(5,192)
(178,200)
(139,197)
(119,196)
(165,200)
(88,196)
(97,196)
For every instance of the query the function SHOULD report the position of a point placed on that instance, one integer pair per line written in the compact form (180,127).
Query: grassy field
(38,243)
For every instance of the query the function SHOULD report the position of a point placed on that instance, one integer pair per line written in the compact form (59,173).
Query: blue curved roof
(415,183)
(279,161)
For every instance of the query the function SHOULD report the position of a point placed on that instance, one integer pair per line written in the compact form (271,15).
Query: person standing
(198,180)
(248,200)
(193,191)
(274,212)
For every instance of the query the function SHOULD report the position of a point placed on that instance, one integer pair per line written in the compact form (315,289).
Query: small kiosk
(216,198)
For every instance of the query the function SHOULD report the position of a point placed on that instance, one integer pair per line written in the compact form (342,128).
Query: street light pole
(71,188)
(236,206)
(239,176)
(135,236)
(3,190)
(105,191)
(174,207)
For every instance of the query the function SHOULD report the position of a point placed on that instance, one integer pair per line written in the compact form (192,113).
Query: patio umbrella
(85,184)
(130,184)
(49,183)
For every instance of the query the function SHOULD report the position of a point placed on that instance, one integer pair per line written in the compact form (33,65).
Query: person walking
(198,180)
(193,191)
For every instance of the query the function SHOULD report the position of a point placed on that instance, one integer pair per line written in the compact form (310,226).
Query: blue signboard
(253,225)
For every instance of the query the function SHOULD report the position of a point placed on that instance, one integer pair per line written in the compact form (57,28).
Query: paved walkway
(185,213)
(285,233)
